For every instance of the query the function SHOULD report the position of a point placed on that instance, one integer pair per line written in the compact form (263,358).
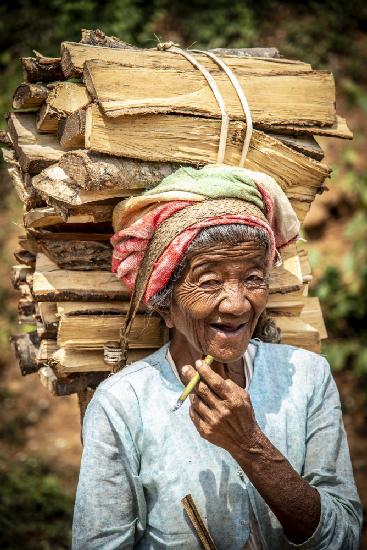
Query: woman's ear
(167,316)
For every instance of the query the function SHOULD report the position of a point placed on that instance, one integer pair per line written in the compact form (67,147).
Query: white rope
(241,95)
(171,47)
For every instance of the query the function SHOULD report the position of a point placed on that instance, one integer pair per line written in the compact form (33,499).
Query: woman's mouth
(227,328)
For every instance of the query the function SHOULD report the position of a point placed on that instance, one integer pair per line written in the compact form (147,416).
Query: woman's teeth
(227,328)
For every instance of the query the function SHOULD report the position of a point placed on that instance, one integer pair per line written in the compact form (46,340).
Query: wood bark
(26,311)
(34,151)
(29,95)
(305,99)
(175,138)
(307,145)
(99,38)
(25,257)
(95,171)
(79,255)
(42,69)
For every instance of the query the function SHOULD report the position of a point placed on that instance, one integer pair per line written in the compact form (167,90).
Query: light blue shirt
(140,459)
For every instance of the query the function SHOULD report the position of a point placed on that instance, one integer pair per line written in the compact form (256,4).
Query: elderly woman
(260,444)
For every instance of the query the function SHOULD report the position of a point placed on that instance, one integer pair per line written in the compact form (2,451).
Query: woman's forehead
(244,254)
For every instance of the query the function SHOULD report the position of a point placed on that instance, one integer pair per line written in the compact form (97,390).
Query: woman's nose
(235,301)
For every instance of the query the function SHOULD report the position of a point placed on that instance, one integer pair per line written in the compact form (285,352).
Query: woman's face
(217,302)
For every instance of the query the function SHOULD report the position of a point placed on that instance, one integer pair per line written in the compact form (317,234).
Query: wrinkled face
(219,299)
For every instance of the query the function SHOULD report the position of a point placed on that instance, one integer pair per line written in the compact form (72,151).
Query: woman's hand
(221,410)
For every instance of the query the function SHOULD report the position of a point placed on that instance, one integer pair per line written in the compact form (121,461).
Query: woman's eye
(255,280)
(209,283)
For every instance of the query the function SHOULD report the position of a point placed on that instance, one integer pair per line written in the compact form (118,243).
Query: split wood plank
(52,284)
(54,183)
(71,131)
(296,332)
(312,314)
(34,151)
(29,95)
(174,138)
(85,214)
(94,171)
(78,255)
(64,99)
(307,145)
(74,55)
(69,385)
(68,361)
(93,331)
(25,347)
(339,129)
(122,89)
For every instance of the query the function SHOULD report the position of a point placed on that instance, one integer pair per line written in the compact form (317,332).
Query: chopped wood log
(29,245)
(305,266)
(78,255)
(29,95)
(306,145)
(94,171)
(175,138)
(74,55)
(20,274)
(67,361)
(312,315)
(247,52)
(338,130)
(94,308)
(67,386)
(53,182)
(26,311)
(99,38)
(306,99)
(48,313)
(25,257)
(56,233)
(46,332)
(42,217)
(42,69)
(25,347)
(93,331)
(295,332)
(27,195)
(52,284)
(45,351)
(64,99)
(34,151)
(71,131)
(279,304)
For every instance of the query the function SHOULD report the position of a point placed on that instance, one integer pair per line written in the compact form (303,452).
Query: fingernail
(185,370)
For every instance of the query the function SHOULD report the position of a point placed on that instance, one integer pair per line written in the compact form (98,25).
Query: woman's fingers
(201,388)
(212,379)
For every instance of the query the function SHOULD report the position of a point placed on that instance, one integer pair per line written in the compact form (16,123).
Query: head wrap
(154,230)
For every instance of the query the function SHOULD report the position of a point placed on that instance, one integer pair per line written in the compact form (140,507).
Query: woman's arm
(223,414)
(110,507)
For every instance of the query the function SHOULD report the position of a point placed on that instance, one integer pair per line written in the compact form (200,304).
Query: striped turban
(153,230)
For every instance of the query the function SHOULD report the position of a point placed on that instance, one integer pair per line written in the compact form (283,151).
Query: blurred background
(39,434)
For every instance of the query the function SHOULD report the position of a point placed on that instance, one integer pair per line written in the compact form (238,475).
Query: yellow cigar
(191,385)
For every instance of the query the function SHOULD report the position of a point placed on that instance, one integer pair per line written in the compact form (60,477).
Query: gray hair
(227,234)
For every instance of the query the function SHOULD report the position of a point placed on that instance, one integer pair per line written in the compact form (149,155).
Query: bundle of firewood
(106,121)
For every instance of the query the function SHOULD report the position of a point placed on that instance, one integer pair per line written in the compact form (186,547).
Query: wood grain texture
(122,89)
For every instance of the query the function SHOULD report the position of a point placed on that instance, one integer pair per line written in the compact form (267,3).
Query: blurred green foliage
(34,512)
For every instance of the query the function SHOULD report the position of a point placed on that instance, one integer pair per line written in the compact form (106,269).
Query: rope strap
(171,47)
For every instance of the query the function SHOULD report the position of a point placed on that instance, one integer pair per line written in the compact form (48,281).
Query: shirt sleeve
(110,509)
(327,467)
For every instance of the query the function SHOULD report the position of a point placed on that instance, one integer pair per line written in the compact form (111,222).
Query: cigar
(191,385)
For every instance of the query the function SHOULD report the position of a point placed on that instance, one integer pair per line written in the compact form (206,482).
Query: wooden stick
(197,523)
